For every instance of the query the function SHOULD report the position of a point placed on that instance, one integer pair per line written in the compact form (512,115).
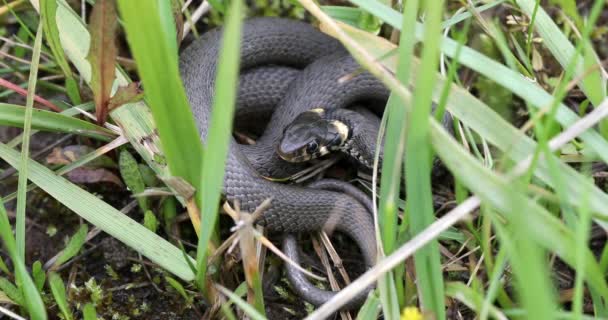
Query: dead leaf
(102,54)
(84,175)
(125,94)
(69,154)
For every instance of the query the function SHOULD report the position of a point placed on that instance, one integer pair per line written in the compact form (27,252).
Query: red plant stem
(23,92)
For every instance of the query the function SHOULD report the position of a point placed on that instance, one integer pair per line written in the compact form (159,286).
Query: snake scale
(271,49)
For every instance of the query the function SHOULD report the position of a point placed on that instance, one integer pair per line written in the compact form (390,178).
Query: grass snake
(272,48)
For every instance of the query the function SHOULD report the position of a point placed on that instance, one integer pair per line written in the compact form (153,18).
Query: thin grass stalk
(392,164)
(582,233)
(529,261)
(25,147)
(418,167)
(220,130)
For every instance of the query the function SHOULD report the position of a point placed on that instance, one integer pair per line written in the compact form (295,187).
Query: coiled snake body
(268,45)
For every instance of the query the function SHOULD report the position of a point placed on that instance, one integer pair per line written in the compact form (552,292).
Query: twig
(23,92)
(197,15)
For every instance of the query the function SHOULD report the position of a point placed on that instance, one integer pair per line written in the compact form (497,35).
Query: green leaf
(88,312)
(150,221)
(370,309)
(129,170)
(418,167)
(73,247)
(33,303)
(39,275)
(11,291)
(179,288)
(247,308)
(58,291)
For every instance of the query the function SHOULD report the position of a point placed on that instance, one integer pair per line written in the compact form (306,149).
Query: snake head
(310,136)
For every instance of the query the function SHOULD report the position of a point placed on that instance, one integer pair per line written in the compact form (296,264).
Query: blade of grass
(104,216)
(33,303)
(14,116)
(220,129)
(418,167)
(79,162)
(392,163)
(25,147)
(528,259)
(582,234)
(247,308)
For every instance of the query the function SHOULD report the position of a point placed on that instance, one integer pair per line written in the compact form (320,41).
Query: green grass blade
(418,167)
(248,309)
(14,116)
(395,137)
(105,217)
(394,146)
(33,302)
(220,130)
(152,41)
(25,147)
(370,309)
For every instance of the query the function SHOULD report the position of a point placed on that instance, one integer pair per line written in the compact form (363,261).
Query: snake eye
(312,147)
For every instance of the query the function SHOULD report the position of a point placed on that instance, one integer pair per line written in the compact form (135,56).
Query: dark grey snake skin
(281,42)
